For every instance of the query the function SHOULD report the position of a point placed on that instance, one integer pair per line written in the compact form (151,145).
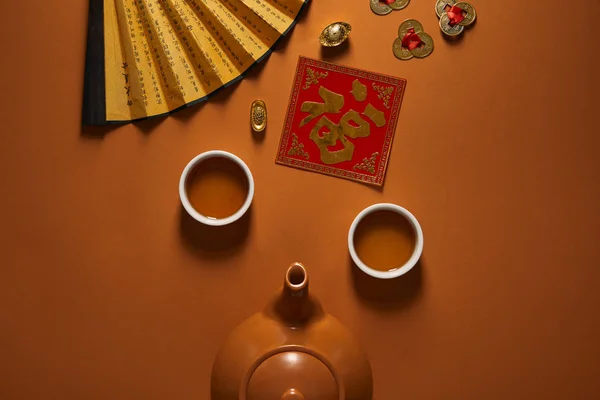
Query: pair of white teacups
(412,261)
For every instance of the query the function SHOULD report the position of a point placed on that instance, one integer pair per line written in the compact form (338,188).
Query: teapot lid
(292,375)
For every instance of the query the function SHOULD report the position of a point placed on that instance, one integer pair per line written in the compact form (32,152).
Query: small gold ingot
(335,34)
(258,115)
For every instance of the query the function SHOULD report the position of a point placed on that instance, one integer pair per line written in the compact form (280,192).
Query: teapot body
(291,350)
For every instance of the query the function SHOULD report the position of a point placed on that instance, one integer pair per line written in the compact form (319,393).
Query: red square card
(341,121)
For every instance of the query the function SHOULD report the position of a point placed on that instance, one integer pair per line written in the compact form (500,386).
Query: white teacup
(418,248)
(184,196)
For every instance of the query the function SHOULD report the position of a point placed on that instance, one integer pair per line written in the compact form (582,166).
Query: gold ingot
(335,34)
(258,115)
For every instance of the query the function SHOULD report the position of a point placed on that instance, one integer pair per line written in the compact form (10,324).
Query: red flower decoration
(456,15)
(411,40)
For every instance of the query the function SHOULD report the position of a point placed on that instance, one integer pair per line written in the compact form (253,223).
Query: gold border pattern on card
(312,77)
(384,94)
(367,164)
(297,148)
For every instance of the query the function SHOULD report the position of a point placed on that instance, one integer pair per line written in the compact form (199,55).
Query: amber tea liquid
(384,240)
(217,187)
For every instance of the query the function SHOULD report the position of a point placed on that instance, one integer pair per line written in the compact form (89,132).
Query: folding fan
(147,58)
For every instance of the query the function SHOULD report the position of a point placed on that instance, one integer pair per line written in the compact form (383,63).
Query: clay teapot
(292,350)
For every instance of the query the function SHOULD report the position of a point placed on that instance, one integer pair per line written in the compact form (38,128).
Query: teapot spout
(294,306)
(296,281)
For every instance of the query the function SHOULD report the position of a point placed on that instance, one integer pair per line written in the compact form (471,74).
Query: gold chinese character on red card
(341,121)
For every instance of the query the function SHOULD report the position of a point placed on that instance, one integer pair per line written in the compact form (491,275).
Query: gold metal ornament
(449,29)
(426,48)
(399,4)
(380,8)
(400,52)
(258,115)
(468,12)
(410,26)
(407,24)
(441,5)
(335,34)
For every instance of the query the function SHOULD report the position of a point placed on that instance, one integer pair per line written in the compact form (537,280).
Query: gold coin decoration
(448,29)
(469,13)
(427,47)
(381,7)
(409,23)
(399,4)
(400,52)
(412,41)
(454,16)
(442,5)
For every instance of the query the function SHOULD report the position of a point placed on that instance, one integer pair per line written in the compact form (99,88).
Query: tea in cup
(385,240)
(216,188)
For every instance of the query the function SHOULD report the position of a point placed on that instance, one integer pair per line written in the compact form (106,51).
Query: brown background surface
(106,294)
